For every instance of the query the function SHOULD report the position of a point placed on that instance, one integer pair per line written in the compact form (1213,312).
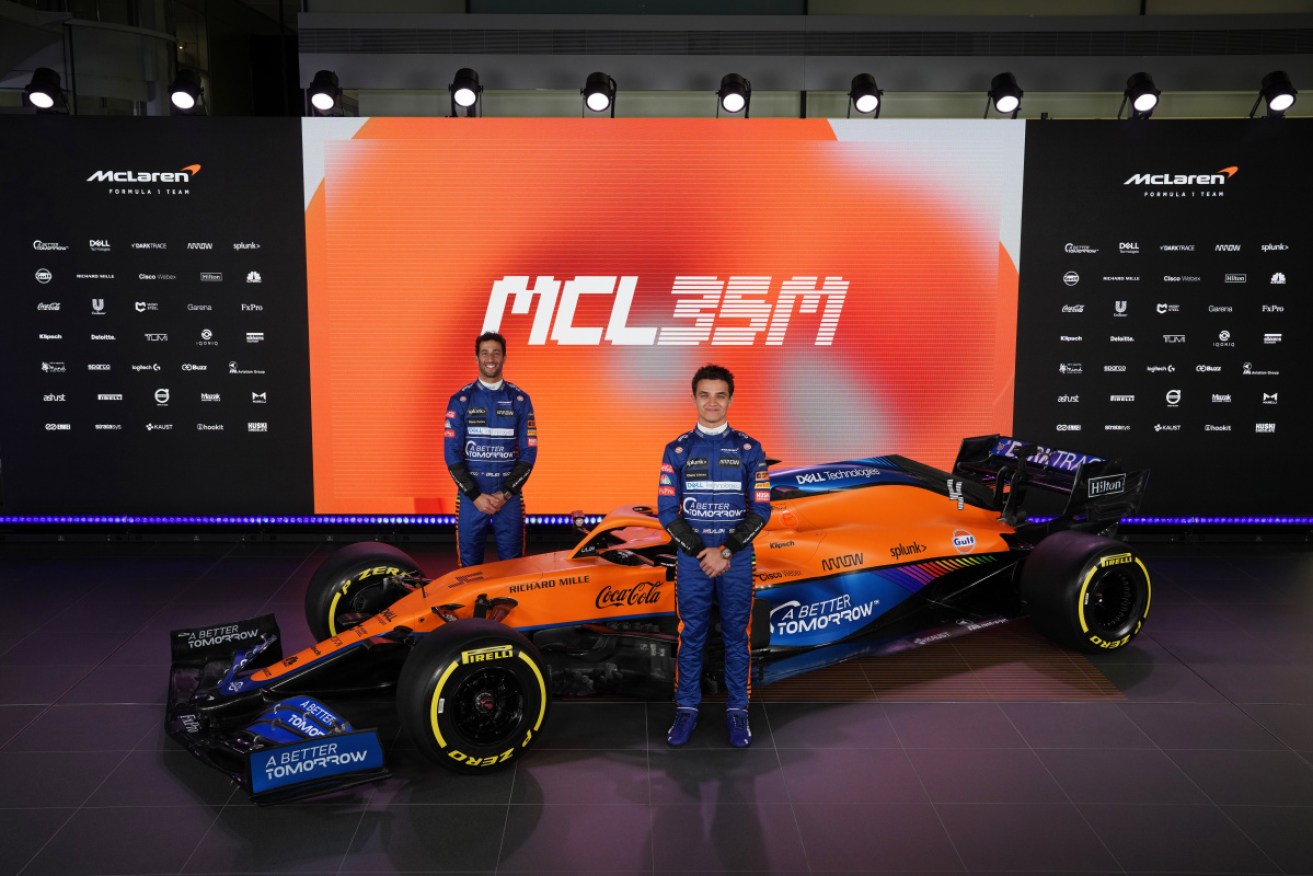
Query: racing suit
(714,491)
(490,443)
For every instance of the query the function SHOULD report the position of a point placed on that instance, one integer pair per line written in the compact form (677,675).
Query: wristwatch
(727,553)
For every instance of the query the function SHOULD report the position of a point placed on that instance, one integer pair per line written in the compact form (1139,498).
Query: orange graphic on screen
(863,309)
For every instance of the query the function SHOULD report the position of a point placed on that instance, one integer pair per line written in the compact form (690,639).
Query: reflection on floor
(1189,752)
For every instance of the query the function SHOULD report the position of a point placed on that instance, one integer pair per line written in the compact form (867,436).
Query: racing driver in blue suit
(713,499)
(490,443)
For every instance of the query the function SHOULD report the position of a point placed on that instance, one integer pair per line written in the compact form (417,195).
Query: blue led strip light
(309,520)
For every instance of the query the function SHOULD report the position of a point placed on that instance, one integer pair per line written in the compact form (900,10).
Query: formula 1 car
(861,557)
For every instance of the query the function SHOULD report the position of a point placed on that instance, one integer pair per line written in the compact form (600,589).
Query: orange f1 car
(861,557)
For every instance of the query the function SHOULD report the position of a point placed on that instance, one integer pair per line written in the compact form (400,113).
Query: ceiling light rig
(1278,91)
(1141,94)
(1004,95)
(734,96)
(325,94)
(865,96)
(44,92)
(466,93)
(599,93)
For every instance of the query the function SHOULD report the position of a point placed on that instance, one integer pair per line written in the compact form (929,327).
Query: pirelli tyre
(1086,592)
(352,585)
(473,695)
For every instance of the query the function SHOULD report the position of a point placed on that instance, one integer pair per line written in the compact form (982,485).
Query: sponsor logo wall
(155,287)
(268,316)
(1180,260)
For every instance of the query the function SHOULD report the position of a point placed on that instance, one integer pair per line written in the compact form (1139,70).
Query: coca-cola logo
(643,593)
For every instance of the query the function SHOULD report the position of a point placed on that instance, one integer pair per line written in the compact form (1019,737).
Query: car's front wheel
(473,695)
(1086,592)
(354,584)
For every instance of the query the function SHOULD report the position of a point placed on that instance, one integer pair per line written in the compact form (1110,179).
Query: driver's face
(712,399)
(491,358)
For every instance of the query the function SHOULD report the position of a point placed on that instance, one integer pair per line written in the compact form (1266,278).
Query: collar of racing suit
(492,386)
(719,430)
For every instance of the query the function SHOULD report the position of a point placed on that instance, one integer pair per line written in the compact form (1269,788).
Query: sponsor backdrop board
(1164,306)
(857,278)
(154,333)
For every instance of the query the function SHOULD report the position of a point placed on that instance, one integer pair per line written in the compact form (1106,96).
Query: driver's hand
(712,563)
(489,503)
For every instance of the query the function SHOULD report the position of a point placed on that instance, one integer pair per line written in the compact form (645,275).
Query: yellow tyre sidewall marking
(446,675)
(1085,586)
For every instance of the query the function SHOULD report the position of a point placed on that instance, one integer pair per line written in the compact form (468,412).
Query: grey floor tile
(596,725)
(293,838)
(1199,725)
(875,837)
(571,776)
(1290,723)
(1075,725)
(1281,832)
(953,725)
(405,839)
(716,776)
(1161,683)
(1095,775)
(577,838)
(122,684)
(123,840)
(55,778)
(1249,777)
(15,718)
(418,781)
(726,836)
(24,832)
(1271,682)
(1024,836)
(882,775)
(831,725)
(160,778)
(96,727)
(1008,775)
(1180,839)
(20,685)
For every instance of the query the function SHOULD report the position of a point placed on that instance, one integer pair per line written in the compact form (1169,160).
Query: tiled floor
(1200,762)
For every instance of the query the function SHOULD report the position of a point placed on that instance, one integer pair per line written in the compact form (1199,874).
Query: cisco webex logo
(146,176)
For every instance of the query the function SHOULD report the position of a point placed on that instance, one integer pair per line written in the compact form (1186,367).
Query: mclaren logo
(1181,179)
(146,176)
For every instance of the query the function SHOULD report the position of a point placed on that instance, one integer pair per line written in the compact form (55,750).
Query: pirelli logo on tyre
(1116,560)
(485,655)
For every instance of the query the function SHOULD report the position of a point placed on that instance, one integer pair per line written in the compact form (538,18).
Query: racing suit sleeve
(526,433)
(453,449)
(756,496)
(670,491)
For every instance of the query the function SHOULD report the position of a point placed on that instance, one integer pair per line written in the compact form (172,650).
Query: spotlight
(186,92)
(735,94)
(865,96)
(1005,95)
(44,91)
(599,93)
(1276,89)
(465,91)
(1142,94)
(324,92)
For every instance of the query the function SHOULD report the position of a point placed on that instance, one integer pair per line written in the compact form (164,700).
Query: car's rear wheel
(473,695)
(353,585)
(1086,592)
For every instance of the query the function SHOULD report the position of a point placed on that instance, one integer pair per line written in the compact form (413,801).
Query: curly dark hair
(713,372)
(489,336)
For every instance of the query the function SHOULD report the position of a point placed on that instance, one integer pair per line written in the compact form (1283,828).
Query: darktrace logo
(1182,185)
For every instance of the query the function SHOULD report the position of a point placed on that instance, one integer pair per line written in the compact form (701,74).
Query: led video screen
(856,278)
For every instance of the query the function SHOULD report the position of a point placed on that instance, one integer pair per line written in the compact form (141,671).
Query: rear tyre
(1086,592)
(473,695)
(350,586)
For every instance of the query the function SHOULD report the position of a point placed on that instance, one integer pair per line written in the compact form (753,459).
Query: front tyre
(352,585)
(473,695)
(1086,592)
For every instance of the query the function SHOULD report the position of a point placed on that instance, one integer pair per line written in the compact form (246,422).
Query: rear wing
(1099,491)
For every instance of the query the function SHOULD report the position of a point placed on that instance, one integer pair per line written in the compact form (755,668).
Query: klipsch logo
(1182,179)
(146,176)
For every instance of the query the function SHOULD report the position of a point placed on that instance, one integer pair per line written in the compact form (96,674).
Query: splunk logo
(738,311)
(146,176)
(1182,179)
